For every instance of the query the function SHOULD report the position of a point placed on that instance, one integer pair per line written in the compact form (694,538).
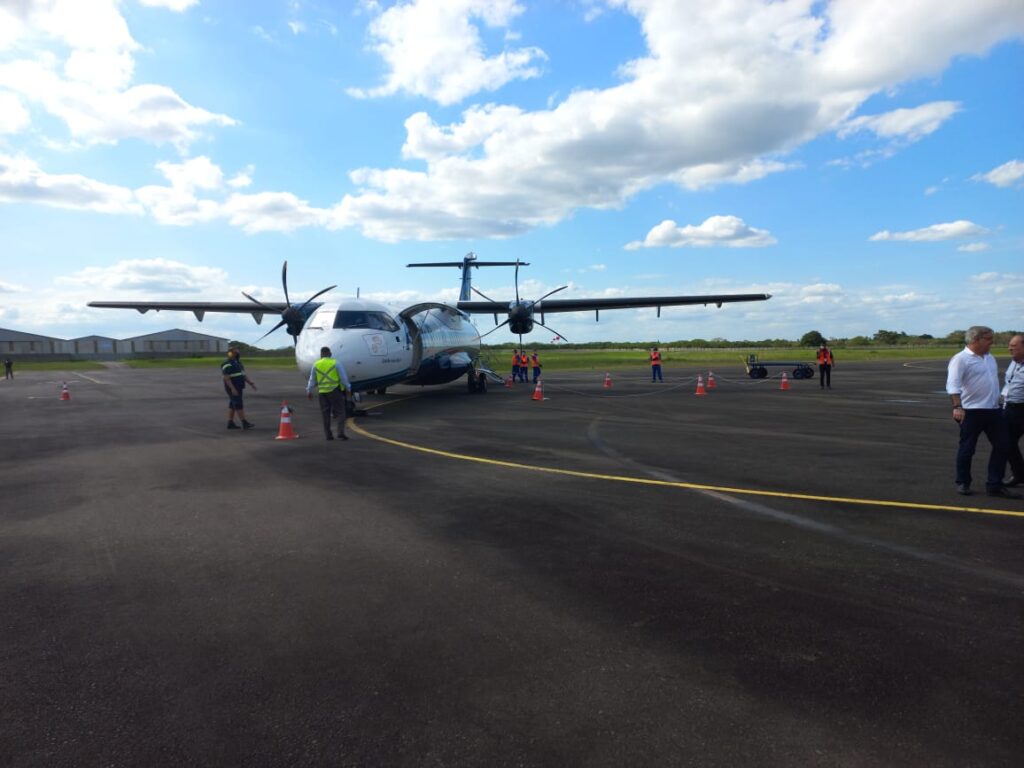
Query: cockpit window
(375,321)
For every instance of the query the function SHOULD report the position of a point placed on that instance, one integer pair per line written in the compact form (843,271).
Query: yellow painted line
(673,484)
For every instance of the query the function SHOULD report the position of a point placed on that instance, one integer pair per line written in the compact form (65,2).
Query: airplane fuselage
(381,346)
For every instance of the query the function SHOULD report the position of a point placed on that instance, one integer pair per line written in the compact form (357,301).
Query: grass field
(568,359)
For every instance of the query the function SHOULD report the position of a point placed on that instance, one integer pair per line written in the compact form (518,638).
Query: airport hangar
(21,346)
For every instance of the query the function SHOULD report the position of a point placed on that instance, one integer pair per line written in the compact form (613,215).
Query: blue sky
(861,160)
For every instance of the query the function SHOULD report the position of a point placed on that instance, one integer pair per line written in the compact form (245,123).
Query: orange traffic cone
(711,380)
(607,381)
(65,393)
(508,382)
(538,391)
(785,382)
(285,431)
(700,386)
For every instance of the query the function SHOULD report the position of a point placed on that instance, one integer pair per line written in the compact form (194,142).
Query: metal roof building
(172,343)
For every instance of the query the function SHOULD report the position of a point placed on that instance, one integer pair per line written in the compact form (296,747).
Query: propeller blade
(517,283)
(318,293)
(261,338)
(549,293)
(257,302)
(552,330)
(284,282)
(494,329)
(481,293)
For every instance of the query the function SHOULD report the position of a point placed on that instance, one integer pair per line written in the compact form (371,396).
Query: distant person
(235,380)
(329,379)
(8,368)
(972,383)
(655,365)
(1013,408)
(515,365)
(535,364)
(825,363)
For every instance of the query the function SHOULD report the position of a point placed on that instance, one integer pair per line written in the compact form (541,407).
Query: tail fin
(468,261)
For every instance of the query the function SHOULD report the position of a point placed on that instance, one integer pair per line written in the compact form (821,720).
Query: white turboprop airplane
(424,343)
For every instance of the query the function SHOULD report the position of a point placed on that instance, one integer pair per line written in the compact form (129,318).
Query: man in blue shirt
(1013,407)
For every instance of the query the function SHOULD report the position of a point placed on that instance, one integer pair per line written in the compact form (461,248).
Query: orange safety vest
(515,359)
(535,361)
(655,358)
(824,357)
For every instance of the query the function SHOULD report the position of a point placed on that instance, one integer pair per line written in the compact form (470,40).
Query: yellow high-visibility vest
(327,377)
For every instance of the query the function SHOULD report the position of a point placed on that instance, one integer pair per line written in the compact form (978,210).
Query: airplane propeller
(292,317)
(520,315)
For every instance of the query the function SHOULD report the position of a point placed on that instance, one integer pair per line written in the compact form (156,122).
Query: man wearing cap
(235,380)
(329,379)
(972,383)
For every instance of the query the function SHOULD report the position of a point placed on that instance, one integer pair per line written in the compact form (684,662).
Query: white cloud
(271,212)
(433,48)
(952,230)
(197,173)
(243,178)
(171,5)
(80,69)
(727,231)
(147,276)
(973,247)
(1008,174)
(723,92)
(22,181)
(14,118)
(296,27)
(6,287)
(907,124)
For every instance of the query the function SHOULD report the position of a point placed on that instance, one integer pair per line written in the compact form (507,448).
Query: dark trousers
(1015,427)
(333,402)
(825,375)
(993,424)
(656,373)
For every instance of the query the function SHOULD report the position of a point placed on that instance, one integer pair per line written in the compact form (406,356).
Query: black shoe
(330,436)
(232,425)
(1002,493)
(343,437)
(1011,482)
(247,425)
(963,489)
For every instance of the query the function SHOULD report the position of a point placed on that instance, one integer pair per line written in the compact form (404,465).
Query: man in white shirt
(972,383)
(1013,407)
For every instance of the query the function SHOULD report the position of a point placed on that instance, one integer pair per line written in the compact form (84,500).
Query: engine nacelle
(521,325)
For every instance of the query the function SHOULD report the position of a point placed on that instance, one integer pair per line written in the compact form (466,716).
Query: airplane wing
(582,305)
(199,308)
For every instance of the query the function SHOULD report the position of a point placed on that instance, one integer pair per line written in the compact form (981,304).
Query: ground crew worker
(655,365)
(235,380)
(524,366)
(515,365)
(825,363)
(8,369)
(329,379)
(535,362)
